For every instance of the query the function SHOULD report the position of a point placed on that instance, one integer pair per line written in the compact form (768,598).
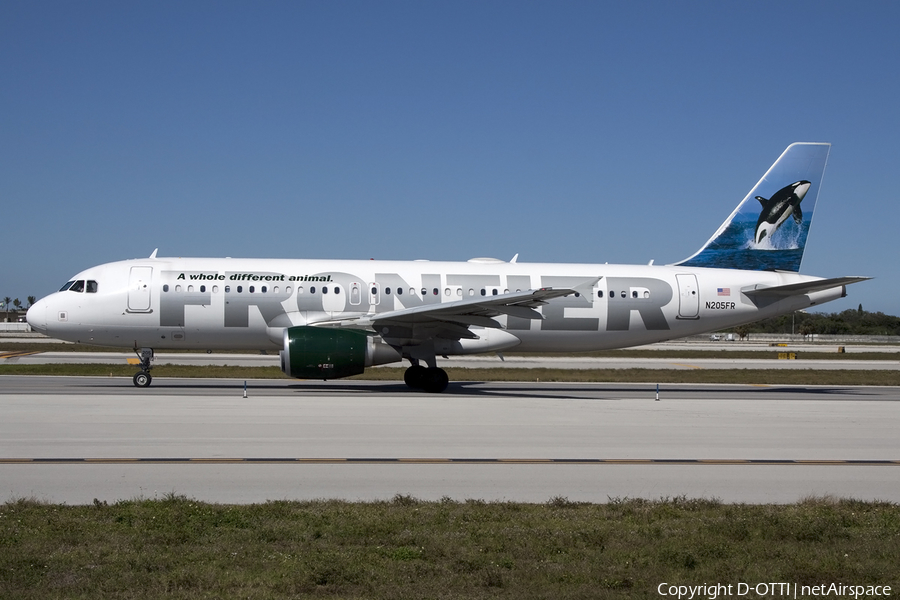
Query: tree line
(847,322)
(16,305)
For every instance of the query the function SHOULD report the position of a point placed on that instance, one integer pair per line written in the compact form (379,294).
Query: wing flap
(471,311)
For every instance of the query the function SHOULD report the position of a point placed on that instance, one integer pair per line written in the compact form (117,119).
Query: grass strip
(737,376)
(176,547)
(812,353)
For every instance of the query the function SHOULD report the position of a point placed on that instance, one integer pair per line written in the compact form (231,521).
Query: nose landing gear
(142,378)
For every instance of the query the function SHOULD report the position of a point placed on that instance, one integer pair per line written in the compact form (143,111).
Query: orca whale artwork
(768,229)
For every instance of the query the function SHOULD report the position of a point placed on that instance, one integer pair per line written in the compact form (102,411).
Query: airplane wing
(804,287)
(451,320)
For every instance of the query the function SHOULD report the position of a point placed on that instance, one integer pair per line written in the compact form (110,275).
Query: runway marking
(453,461)
(18,353)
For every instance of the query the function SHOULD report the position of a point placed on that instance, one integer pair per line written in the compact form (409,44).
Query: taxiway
(73,439)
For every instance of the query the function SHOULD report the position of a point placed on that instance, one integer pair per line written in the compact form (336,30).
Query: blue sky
(562,131)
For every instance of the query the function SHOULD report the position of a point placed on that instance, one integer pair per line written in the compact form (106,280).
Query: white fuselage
(219,303)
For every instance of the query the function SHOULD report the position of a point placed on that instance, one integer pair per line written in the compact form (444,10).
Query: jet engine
(323,353)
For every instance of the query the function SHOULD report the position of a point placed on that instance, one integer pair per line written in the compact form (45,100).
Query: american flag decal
(723,291)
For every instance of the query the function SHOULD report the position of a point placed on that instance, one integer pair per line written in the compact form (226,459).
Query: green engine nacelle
(323,353)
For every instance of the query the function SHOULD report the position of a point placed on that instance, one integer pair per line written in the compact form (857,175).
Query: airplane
(333,318)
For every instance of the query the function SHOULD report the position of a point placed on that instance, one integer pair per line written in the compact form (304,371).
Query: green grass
(176,547)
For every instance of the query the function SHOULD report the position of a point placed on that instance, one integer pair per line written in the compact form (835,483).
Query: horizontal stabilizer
(804,287)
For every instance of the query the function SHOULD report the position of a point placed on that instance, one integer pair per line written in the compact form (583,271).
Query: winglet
(153,255)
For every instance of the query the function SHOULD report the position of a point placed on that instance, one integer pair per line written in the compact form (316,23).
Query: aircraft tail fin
(768,229)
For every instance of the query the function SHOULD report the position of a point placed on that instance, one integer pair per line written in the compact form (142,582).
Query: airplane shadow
(486,389)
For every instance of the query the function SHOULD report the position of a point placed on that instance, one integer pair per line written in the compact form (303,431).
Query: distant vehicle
(715,337)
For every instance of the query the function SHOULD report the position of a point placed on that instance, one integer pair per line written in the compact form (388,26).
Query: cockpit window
(91,287)
(66,286)
(78,286)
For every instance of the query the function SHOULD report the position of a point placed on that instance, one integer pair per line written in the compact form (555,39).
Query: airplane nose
(37,316)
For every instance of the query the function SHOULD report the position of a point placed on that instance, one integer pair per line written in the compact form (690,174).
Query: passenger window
(91,287)
(435,291)
(240,289)
(634,294)
(227,289)
(263,289)
(252,288)
(166,287)
(324,289)
(599,293)
(312,289)
(494,292)
(78,286)
(471,292)
(612,294)
(387,291)
(178,288)
(337,290)
(287,290)
(424,292)
(215,289)
(446,291)
(190,288)
(483,292)
(399,291)
(202,288)
(624,295)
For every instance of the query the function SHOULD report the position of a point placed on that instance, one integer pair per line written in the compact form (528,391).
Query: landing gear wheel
(436,380)
(142,379)
(414,377)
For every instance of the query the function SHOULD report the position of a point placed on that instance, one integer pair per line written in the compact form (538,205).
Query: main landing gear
(142,378)
(430,379)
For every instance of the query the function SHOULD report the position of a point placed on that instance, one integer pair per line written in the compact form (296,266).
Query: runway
(68,439)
